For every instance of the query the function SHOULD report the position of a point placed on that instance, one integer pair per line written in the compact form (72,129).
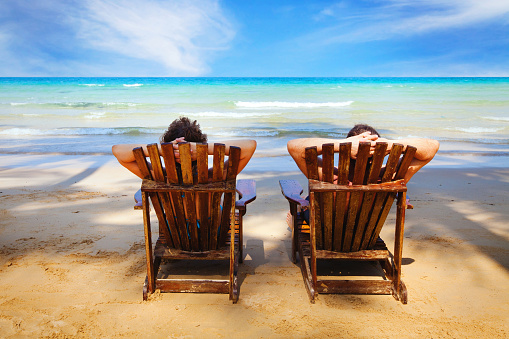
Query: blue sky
(254,38)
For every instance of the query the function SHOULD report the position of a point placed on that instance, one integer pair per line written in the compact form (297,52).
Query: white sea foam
(130,104)
(18,103)
(245,133)
(133,85)
(231,114)
(94,85)
(22,131)
(284,104)
(95,115)
(478,129)
(497,118)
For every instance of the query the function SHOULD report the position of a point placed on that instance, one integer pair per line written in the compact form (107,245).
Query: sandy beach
(72,261)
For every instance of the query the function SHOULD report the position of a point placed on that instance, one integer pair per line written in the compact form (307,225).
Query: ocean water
(469,116)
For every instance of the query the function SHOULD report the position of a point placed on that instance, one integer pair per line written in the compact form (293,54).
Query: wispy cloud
(176,37)
(404,18)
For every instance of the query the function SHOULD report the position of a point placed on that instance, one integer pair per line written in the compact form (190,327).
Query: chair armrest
(138,200)
(292,191)
(245,187)
(247,192)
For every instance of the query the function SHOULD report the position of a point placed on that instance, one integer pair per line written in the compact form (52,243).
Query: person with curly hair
(183,130)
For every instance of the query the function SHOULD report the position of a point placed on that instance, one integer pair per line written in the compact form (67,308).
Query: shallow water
(470,116)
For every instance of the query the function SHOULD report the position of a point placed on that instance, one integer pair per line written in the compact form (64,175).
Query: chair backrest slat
(218,173)
(218,162)
(139,156)
(155,160)
(361,163)
(186,163)
(233,163)
(311,162)
(405,162)
(350,219)
(377,163)
(328,197)
(392,162)
(345,150)
(169,162)
(328,162)
(202,163)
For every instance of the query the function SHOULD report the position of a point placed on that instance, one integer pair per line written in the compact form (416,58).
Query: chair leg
(293,213)
(294,239)
(150,280)
(234,258)
(400,293)
(145,289)
(307,277)
(235,286)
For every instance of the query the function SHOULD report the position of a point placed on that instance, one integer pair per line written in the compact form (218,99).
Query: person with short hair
(426,148)
(183,130)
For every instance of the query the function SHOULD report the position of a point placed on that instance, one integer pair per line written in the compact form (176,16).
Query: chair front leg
(148,245)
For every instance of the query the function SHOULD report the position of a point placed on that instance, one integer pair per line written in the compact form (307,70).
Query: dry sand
(72,262)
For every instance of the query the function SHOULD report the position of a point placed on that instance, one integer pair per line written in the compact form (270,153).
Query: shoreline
(73,260)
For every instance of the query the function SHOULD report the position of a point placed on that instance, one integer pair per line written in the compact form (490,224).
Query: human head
(361,128)
(183,127)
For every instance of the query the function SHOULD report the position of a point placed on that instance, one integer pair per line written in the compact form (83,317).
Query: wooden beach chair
(197,215)
(346,217)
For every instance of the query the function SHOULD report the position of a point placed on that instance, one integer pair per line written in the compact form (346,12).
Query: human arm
(247,149)
(426,150)
(125,156)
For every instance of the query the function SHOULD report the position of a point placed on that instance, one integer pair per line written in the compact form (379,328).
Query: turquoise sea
(470,116)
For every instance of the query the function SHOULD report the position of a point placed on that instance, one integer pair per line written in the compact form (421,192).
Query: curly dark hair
(361,128)
(183,127)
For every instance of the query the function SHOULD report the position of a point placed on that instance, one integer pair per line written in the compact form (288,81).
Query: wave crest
(285,104)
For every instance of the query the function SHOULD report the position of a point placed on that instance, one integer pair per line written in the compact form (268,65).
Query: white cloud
(181,35)
(108,37)
(407,17)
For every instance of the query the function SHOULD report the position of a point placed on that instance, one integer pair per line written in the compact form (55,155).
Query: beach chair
(197,215)
(346,217)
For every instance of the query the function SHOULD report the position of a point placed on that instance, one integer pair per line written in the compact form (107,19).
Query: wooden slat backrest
(187,203)
(349,212)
